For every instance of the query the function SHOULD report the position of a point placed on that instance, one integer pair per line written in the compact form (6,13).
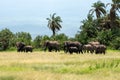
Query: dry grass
(59,66)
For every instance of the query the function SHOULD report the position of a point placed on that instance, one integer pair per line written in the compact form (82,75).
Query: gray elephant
(73,49)
(51,46)
(94,43)
(68,44)
(20,46)
(99,49)
(28,48)
(88,48)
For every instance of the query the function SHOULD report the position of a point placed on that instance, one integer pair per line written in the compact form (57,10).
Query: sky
(30,15)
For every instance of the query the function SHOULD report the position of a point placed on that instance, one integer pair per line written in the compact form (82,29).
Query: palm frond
(91,11)
(53,16)
(103,11)
(108,4)
(48,19)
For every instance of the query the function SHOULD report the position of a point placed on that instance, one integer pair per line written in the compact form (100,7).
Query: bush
(115,44)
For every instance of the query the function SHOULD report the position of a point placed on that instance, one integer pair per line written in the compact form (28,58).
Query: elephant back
(94,43)
(28,48)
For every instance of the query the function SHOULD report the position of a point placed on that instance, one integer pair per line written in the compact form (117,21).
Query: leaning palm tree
(54,23)
(98,9)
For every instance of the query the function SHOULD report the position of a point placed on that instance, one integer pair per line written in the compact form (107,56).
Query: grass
(59,66)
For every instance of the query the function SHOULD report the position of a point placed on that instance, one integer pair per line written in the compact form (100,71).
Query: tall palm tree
(98,8)
(113,16)
(54,23)
(115,6)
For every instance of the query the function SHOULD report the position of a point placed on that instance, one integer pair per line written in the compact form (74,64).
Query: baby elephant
(73,49)
(28,48)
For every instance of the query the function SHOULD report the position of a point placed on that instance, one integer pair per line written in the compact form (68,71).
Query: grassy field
(59,66)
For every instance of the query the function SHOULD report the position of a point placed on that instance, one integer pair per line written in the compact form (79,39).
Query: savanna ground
(59,66)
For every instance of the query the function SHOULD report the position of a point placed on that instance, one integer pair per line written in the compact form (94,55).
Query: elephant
(68,44)
(28,48)
(88,48)
(94,43)
(52,45)
(20,46)
(73,49)
(99,49)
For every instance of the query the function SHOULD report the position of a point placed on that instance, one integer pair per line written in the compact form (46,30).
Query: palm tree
(98,8)
(54,23)
(115,6)
(113,16)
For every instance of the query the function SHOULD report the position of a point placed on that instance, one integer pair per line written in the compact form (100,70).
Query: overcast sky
(30,15)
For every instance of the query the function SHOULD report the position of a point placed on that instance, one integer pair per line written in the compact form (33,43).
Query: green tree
(115,44)
(115,6)
(113,16)
(23,37)
(88,30)
(98,9)
(54,23)
(105,37)
(37,41)
(61,37)
(45,38)
(6,38)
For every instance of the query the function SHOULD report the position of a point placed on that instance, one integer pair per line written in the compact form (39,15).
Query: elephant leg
(103,51)
(49,49)
(97,51)
(91,51)
(84,51)
(71,52)
(55,50)
(87,51)
(81,51)
(31,50)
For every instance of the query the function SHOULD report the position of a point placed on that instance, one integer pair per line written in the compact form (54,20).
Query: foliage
(116,43)
(98,8)
(6,38)
(105,37)
(61,37)
(88,30)
(23,37)
(105,28)
(37,41)
(54,23)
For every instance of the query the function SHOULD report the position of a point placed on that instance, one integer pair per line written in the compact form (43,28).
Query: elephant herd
(96,47)
(68,47)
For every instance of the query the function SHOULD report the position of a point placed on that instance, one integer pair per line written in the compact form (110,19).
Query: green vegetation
(59,66)
(104,27)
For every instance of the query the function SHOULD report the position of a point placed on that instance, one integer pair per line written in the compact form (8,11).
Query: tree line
(102,24)
(8,39)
